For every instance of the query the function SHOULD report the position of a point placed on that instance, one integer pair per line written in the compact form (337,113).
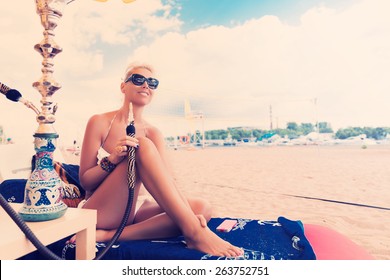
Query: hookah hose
(26,230)
(131,176)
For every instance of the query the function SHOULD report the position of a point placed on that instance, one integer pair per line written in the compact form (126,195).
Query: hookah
(42,198)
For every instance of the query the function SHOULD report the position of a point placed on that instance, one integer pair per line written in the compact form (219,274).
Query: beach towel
(282,239)
(261,240)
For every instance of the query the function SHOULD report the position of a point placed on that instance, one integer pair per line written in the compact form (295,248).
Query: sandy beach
(345,188)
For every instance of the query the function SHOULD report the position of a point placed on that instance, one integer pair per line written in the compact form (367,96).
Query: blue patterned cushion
(261,240)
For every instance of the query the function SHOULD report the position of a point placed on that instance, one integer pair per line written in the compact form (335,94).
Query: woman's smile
(144,93)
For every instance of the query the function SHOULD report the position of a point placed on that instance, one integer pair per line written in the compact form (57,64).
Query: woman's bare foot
(208,242)
(72,240)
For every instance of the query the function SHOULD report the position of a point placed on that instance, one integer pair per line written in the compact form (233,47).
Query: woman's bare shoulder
(102,118)
(99,122)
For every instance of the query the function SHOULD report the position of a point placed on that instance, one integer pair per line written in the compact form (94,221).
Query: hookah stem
(130,130)
(26,230)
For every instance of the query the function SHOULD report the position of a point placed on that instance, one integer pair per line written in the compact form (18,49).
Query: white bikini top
(101,154)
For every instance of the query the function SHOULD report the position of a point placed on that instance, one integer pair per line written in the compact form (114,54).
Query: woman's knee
(146,146)
(144,142)
(201,207)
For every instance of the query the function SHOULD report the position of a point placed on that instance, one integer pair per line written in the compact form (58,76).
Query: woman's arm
(91,174)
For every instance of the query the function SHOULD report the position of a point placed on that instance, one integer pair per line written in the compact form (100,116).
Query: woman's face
(137,89)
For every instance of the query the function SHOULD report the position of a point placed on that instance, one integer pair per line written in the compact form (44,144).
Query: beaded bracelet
(107,165)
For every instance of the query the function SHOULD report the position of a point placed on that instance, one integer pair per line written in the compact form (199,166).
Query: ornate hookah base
(43,192)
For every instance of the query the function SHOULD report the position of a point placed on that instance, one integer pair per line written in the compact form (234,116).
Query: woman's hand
(121,149)
(202,220)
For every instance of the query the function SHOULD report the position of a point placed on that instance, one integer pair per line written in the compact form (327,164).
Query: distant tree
(345,133)
(284,132)
(377,133)
(218,134)
(293,130)
(257,133)
(306,128)
(325,127)
(292,126)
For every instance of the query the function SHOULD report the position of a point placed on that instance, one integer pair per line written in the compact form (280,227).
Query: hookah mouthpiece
(130,129)
(13,95)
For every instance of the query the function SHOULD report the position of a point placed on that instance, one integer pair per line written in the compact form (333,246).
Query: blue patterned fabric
(283,239)
(13,190)
(261,240)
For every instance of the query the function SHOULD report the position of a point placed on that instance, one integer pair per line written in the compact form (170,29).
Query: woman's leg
(152,222)
(157,180)
(110,199)
(150,208)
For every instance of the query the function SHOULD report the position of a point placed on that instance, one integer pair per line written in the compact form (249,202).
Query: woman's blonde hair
(136,65)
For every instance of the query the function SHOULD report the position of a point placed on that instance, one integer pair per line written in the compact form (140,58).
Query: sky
(238,63)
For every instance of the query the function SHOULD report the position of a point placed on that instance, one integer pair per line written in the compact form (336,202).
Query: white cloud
(233,73)
(90,34)
(339,57)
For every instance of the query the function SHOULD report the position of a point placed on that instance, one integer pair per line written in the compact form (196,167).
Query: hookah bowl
(43,192)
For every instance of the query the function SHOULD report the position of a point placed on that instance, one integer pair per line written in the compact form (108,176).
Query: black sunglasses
(139,80)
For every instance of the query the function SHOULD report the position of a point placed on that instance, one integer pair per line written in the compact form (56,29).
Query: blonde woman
(103,175)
